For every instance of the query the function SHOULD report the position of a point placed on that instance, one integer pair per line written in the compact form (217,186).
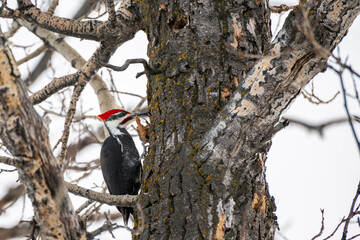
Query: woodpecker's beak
(99,118)
(133,115)
(144,114)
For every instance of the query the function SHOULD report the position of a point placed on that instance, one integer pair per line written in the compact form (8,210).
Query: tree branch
(23,229)
(317,127)
(86,73)
(106,101)
(53,87)
(92,30)
(115,200)
(12,195)
(24,135)
(32,55)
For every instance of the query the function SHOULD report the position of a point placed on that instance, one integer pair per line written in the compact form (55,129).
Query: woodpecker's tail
(126,213)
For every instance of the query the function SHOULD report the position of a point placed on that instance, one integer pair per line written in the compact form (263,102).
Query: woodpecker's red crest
(106,115)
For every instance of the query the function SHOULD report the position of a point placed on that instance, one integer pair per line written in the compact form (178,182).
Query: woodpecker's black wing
(121,167)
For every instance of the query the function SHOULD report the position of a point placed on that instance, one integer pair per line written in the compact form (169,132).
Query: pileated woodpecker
(119,158)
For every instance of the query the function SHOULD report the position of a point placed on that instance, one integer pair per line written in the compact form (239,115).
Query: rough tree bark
(214,107)
(23,133)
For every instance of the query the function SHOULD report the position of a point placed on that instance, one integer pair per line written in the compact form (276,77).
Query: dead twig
(322,226)
(312,98)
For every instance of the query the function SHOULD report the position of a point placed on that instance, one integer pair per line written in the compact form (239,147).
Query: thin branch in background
(317,127)
(87,166)
(107,226)
(8,170)
(352,212)
(79,87)
(24,46)
(311,97)
(95,18)
(15,26)
(83,206)
(355,89)
(322,226)
(44,63)
(23,229)
(114,89)
(32,55)
(340,74)
(335,230)
(78,118)
(12,195)
(53,5)
(127,93)
(353,237)
(112,216)
(138,106)
(91,211)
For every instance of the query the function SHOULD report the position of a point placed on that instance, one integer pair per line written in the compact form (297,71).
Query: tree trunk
(23,133)
(188,199)
(215,106)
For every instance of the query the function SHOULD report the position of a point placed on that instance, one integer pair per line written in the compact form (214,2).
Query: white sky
(305,172)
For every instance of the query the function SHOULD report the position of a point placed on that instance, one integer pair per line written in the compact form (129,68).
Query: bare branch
(317,127)
(353,237)
(40,67)
(352,212)
(53,5)
(53,87)
(107,226)
(32,55)
(106,101)
(116,200)
(83,206)
(340,74)
(86,73)
(92,30)
(311,97)
(79,87)
(23,229)
(12,196)
(322,226)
